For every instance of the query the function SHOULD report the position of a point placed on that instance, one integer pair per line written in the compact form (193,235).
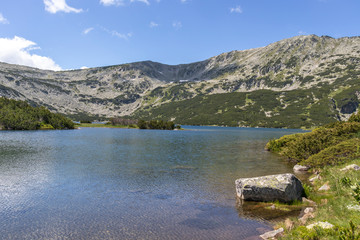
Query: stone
(351,167)
(300,168)
(324,201)
(272,234)
(310,202)
(324,225)
(307,216)
(325,187)
(314,178)
(308,210)
(289,224)
(281,187)
(353,207)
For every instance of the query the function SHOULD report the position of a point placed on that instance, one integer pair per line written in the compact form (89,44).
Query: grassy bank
(339,206)
(326,150)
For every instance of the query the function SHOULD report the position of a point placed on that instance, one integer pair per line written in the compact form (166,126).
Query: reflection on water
(131,184)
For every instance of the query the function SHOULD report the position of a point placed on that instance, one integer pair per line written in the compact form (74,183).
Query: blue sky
(70,34)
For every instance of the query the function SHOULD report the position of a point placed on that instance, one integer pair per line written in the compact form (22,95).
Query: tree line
(19,115)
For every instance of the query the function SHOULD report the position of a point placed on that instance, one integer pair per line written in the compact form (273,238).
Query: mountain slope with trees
(304,81)
(19,115)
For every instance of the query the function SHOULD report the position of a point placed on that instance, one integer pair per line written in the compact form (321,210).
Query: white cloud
(121,2)
(84,67)
(125,36)
(236,9)
(177,25)
(3,20)
(153,24)
(144,1)
(54,6)
(17,51)
(112,2)
(183,1)
(88,30)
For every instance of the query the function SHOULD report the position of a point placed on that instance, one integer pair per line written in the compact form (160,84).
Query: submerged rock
(281,187)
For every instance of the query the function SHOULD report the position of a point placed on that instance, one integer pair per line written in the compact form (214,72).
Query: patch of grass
(332,206)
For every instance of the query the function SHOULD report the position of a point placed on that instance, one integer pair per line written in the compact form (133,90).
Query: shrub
(299,147)
(19,115)
(276,145)
(340,153)
(355,117)
(156,124)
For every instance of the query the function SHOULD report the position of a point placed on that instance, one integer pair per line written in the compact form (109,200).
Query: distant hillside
(303,81)
(18,115)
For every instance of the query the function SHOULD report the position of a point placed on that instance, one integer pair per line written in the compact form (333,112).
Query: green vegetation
(19,115)
(95,125)
(154,124)
(262,108)
(336,206)
(326,150)
(329,145)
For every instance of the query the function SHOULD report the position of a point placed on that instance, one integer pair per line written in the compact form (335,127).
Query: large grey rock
(281,187)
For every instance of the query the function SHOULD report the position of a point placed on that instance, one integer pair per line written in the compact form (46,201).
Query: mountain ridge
(302,63)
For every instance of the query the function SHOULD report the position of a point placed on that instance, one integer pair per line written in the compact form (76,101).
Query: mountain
(303,81)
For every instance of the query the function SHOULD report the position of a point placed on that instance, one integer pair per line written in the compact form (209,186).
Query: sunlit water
(131,184)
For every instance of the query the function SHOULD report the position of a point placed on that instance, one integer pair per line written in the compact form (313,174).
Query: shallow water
(131,184)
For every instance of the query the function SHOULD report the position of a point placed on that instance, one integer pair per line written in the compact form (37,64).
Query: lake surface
(97,183)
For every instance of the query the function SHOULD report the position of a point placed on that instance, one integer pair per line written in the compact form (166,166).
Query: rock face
(281,187)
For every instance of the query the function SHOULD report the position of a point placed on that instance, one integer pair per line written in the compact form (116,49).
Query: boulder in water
(282,187)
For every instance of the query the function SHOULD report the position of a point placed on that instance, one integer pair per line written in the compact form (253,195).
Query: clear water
(131,184)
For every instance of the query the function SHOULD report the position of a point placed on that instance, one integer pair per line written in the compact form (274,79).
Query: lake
(99,183)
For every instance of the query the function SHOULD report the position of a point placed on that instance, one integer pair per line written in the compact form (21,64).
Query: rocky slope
(290,78)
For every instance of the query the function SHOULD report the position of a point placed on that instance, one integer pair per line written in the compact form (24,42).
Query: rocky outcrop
(281,187)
